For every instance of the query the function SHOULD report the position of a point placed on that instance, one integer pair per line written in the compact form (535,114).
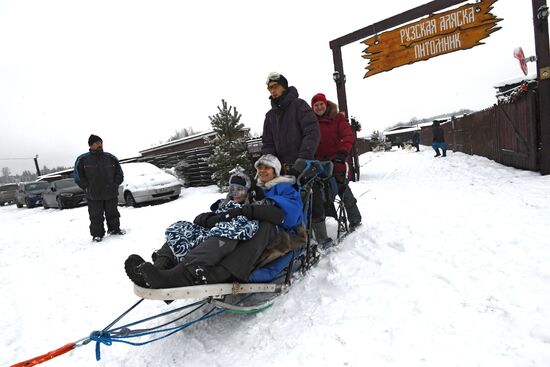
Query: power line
(13,159)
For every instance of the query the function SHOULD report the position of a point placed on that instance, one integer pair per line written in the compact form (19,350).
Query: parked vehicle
(144,182)
(7,194)
(30,193)
(63,194)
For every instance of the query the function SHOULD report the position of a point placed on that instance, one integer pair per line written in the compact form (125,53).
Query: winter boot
(320,232)
(444,153)
(437,154)
(353,225)
(131,267)
(178,276)
(118,231)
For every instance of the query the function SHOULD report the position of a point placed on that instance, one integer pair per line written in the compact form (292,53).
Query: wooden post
(36,165)
(340,80)
(540,23)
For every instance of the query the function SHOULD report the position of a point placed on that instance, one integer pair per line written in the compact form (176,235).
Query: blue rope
(125,328)
(105,337)
(100,337)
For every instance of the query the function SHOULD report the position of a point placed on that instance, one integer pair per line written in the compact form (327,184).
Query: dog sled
(205,301)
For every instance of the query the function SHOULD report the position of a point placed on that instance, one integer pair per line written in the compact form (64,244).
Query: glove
(256,193)
(206,220)
(248,211)
(299,165)
(230,214)
(341,156)
(294,172)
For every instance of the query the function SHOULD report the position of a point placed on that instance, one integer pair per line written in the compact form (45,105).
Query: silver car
(63,194)
(8,193)
(144,182)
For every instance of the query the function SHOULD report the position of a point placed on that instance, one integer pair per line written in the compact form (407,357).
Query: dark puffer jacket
(290,129)
(439,135)
(99,174)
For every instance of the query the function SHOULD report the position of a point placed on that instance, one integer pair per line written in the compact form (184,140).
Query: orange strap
(46,357)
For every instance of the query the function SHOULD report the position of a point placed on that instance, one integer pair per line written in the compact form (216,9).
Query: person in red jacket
(337,139)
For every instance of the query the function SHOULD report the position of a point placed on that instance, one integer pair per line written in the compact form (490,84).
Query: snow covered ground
(451,268)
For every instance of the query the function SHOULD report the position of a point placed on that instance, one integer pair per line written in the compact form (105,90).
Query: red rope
(46,357)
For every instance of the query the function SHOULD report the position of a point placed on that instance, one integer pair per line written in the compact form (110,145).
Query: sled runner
(206,290)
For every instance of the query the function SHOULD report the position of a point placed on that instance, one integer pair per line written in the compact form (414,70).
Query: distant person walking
(438,140)
(99,174)
(416,140)
(399,142)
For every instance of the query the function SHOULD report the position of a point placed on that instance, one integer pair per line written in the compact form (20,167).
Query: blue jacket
(288,199)
(99,174)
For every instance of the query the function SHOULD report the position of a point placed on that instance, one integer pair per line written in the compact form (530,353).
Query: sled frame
(206,290)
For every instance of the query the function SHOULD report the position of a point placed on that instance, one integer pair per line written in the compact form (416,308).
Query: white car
(144,182)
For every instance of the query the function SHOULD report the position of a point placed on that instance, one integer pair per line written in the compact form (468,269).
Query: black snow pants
(237,258)
(98,211)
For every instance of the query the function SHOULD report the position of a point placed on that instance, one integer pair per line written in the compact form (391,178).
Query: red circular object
(518,54)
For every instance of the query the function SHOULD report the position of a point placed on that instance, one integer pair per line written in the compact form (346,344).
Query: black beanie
(237,180)
(93,139)
(277,78)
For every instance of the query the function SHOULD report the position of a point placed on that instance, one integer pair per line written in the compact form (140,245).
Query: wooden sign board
(438,34)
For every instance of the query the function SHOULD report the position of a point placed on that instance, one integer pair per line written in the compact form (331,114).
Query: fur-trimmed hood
(336,133)
(332,110)
(279,179)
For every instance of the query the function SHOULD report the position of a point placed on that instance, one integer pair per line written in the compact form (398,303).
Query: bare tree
(5,178)
(182,133)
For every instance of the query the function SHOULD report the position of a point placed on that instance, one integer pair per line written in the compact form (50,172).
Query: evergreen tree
(229,145)
(377,141)
(375,137)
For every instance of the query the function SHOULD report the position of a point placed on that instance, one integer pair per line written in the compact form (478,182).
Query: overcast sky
(134,72)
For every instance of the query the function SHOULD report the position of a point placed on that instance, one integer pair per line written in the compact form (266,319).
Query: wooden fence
(506,133)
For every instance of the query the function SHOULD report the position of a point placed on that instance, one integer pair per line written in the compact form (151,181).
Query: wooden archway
(540,24)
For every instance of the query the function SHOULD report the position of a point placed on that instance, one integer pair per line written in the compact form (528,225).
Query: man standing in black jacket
(99,174)
(291,132)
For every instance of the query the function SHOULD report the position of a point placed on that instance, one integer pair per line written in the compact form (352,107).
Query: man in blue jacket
(99,174)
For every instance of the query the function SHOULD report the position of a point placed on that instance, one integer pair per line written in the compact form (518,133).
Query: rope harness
(123,334)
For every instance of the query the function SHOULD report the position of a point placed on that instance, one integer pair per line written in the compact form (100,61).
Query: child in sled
(273,207)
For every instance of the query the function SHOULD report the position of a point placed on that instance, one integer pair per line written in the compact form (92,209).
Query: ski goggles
(273,77)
